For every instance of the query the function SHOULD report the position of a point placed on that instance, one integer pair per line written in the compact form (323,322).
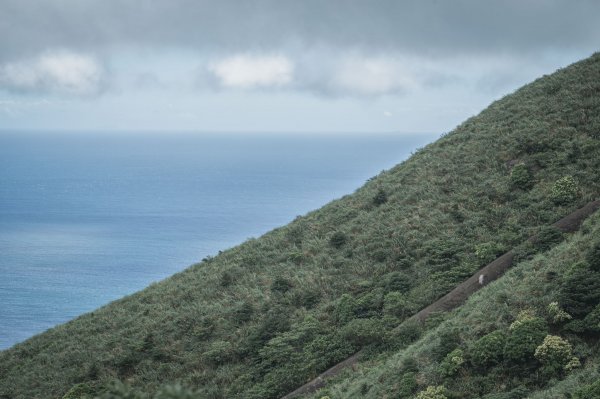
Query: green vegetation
(261,319)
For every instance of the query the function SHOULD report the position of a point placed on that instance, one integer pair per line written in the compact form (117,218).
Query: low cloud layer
(60,72)
(248,72)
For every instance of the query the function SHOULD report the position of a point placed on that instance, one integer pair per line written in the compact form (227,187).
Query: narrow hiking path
(458,295)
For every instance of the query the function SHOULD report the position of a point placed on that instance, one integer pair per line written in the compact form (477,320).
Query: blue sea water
(88,218)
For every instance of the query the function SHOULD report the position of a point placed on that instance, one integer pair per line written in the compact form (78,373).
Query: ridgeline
(263,318)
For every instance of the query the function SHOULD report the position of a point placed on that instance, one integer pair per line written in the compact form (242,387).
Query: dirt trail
(458,295)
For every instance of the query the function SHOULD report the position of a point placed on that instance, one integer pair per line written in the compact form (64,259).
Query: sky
(277,65)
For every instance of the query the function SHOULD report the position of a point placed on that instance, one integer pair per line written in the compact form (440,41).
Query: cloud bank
(62,72)
(330,48)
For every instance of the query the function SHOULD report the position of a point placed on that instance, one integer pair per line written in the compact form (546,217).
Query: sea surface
(86,218)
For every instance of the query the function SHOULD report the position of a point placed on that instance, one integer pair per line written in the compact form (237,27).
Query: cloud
(249,72)
(60,72)
(416,26)
(372,76)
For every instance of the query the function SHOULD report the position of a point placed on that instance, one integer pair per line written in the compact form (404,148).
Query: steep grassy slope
(260,319)
(486,348)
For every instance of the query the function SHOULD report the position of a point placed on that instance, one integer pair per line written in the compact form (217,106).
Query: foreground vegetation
(262,318)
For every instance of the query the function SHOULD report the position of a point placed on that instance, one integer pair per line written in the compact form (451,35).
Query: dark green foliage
(380,198)
(361,332)
(280,285)
(488,251)
(396,281)
(593,257)
(523,339)
(488,350)
(580,291)
(396,304)
(448,341)
(521,177)
(338,239)
(407,385)
(591,322)
(218,353)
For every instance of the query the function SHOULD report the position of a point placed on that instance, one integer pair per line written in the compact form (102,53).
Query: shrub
(338,239)
(361,332)
(580,291)
(380,198)
(452,363)
(488,350)
(396,304)
(449,340)
(344,309)
(488,251)
(524,338)
(554,353)
(557,315)
(520,177)
(438,392)
(280,285)
(564,190)
(592,320)
(407,385)
(243,313)
(593,257)
(396,281)
(218,353)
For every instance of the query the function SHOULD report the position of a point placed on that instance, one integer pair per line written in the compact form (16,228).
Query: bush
(219,352)
(593,257)
(564,190)
(380,198)
(338,239)
(520,177)
(580,291)
(488,350)
(452,363)
(488,251)
(592,320)
(407,385)
(557,315)
(396,304)
(554,353)
(523,339)
(280,285)
(362,332)
(431,392)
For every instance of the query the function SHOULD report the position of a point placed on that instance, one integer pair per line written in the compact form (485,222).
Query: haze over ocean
(88,218)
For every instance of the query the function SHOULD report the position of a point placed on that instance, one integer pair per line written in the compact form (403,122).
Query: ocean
(86,218)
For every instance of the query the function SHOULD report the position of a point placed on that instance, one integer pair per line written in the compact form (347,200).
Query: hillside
(263,318)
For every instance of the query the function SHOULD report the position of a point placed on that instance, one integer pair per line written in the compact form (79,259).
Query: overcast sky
(277,66)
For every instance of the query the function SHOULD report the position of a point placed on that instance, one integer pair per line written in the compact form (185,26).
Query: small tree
(520,177)
(554,353)
(488,350)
